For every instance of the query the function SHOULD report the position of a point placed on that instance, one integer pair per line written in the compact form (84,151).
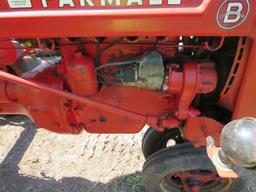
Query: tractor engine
(114,84)
(185,68)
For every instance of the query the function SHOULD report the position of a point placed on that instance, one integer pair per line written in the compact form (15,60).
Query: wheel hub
(192,181)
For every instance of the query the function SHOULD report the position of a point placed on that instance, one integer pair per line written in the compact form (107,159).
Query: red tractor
(184,67)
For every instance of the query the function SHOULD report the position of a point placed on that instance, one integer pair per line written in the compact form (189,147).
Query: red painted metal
(245,102)
(125,49)
(67,95)
(197,129)
(194,79)
(73,106)
(228,96)
(95,111)
(7,56)
(92,113)
(81,75)
(194,180)
(96,4)
(140,21)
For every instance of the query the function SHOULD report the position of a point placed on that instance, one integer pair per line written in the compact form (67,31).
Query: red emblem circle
(232,13)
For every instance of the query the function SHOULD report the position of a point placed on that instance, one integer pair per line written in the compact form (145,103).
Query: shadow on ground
(12,181)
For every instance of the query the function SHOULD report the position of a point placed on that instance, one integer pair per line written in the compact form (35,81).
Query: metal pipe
(216,48)
(90,102)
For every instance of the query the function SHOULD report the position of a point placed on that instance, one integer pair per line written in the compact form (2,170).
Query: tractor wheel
(154,141)
(182,168)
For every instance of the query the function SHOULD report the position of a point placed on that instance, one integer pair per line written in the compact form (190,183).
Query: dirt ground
(37,160)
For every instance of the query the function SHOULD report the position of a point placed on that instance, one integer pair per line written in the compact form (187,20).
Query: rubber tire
(154,141)
(182,157)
